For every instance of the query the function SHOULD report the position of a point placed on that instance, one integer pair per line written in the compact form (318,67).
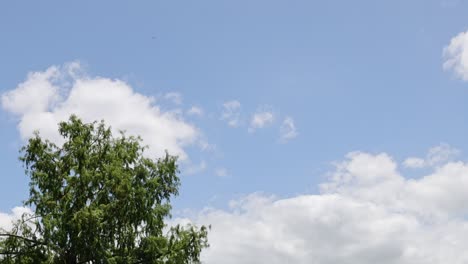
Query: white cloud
(195,111)
(260,119)
(36,94)
(456,56)
(206,146)
(288,130)
(367,212)
(48,97)
(174,97)
(231,113)
(441,154)
(414,162)
(7,219)
(436,155)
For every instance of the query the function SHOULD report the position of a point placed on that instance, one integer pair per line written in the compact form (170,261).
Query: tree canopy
(98,199)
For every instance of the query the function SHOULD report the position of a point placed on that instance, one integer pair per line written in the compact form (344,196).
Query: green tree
(98,199)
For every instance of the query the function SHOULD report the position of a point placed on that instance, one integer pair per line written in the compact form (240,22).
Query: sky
(306,131)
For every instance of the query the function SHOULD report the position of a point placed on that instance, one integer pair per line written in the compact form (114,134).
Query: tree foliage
(98,199)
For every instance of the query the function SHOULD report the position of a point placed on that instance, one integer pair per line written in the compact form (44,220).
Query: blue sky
(362,76)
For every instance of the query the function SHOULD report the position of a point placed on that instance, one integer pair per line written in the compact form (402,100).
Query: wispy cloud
(195,111)
(261,119)
(192,169)
(231,113)
(288,130)
(436,155)
(174,97)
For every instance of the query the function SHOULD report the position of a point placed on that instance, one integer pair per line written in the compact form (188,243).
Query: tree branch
(24,238)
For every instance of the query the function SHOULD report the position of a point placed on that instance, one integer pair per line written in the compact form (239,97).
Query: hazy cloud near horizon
(367,212)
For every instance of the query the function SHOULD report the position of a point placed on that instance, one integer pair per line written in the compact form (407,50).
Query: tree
(98,199)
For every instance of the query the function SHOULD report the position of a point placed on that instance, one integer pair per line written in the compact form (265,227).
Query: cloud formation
(174,97)
(288,130)
(366,213)
(7,219)
(195,111)
(456,56)
(231,113)
(260,119)
(436,156)
(46,98)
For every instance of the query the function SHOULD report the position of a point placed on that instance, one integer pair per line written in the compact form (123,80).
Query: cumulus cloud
(436,155)
(260,119)
(46,98)
(288,130)
(7,219)
(366,212)
(231,113)
(456,56)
